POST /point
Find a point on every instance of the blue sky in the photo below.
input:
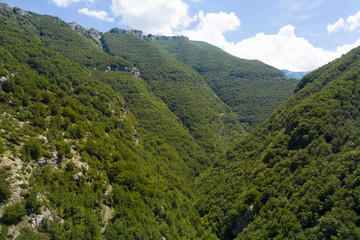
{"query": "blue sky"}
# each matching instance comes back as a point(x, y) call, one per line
point(298, 35)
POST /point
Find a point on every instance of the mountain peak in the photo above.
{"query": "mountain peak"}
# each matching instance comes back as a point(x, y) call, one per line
point(149, 37)
point(92, 32)
point(296, 75)
point(15, 10)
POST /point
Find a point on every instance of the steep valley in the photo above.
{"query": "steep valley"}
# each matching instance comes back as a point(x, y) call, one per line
point(121, 135)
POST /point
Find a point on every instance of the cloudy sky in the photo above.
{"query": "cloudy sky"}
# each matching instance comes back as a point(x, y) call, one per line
point(297, 35)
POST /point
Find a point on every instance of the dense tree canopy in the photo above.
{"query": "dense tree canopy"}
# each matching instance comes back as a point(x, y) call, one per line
point(117, 137)
point(211, 122)
point(296, 175)
point(252, 89)
point(82, 156)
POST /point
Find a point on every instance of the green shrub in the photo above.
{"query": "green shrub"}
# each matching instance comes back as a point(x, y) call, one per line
point(13, 214)
point(5, 191)
point(32, 148)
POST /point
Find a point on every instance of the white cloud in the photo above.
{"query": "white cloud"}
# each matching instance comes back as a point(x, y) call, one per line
point(291, 5)
point(353, 21)
point(285, 50)
point(350, 24)
point(347, 47)
point(152, 16)
point(336, 26)
point(212, 26)
point(65, 3)
point(299, 5)
point(102, 15)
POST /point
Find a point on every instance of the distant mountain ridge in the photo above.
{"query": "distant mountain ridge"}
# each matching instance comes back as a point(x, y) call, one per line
point(17, 11)
point(149, 37)
point(251, 88)
point(296, 75)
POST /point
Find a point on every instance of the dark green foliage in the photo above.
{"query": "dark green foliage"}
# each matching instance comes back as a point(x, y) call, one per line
point(252, 89)
point(156, 117)
point(32, 204)
point(32, 148)
point(13, 214)
point(5, 190)
point(296, 175)
point(211, 122)
point(28, 234)
point(59, 36)
point(86, 149)
point(4, 232)
point(113, 156)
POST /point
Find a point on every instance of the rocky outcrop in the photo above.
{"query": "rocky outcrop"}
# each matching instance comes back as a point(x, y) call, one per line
point(3, 79)
point(151, 37)
point(134, 71)
point(243, 221)
point(136, 33)
point(76, 27)
point(22, 12)
point(93, 33)
point(5, 6)
point(15, 10)
point(148, 37)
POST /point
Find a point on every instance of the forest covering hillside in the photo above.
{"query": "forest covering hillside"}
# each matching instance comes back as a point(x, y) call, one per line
point(296, 176)
point(211, 122)
point(112, 136)
point(75, 161)
point(252, 89)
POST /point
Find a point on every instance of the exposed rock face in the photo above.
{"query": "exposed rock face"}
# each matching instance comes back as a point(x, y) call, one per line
point(243, 221)
point(93, 33)
point(76, 27)
point(136, 33)
point(38, 219)
point(22, 12)
point(133, 71)
point(15, 10)
point(3, 79)
point(149, 37)
point(5, 6)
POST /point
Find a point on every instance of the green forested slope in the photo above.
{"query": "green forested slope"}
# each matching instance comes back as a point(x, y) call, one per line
point(296, 176)
point(154, 115)
point(251, 88)
point(211, 122)
point(74, 156)
point(56, 33)
point(93, 154)
point(151, 112)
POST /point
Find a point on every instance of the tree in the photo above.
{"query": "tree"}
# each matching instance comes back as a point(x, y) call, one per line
point(33, 148)
point(13, 214)
point(5, 191)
